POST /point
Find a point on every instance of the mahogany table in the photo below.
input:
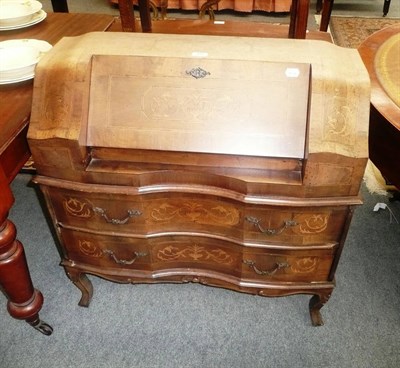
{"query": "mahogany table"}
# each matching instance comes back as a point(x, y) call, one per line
point(380, 53)
point(24, 301)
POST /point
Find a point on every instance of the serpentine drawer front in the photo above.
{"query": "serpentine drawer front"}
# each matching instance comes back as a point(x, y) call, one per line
point(153, 256)
point(155, 214)
point(232, 162)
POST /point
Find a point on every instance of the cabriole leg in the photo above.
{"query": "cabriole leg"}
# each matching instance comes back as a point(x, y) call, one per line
point(81, 281)
point(316, 303)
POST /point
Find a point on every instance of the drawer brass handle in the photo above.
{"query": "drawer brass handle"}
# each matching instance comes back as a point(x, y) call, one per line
point(103, 213)
point(256, 222)
point(278, 266)
point(124, 261)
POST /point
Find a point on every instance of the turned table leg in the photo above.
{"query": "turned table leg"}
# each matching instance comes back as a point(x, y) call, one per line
point(24, 302)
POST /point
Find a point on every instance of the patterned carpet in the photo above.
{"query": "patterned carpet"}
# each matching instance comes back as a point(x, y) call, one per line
point(350, 32)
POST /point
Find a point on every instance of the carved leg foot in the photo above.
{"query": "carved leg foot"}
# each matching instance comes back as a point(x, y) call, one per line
point(316, 303)
point(41, 326)
point(81, 281)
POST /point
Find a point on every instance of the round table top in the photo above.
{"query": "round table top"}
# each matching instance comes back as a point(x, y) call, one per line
point(381, 55)
point(387, 67)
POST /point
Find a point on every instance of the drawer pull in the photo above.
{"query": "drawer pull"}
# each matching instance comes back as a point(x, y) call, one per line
point(124, 261)
point(278, 266)
point(286, 224)
point(103, 213)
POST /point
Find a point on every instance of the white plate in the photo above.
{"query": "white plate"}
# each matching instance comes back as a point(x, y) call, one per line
point(14, 12)
point(24, 54)
point(16, 80)
point(36, 18)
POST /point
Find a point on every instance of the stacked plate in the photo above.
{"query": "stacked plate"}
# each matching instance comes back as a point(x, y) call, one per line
point(15, 14)
point(18, 59)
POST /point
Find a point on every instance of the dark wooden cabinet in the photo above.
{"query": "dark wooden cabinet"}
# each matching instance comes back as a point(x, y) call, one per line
point(164, 160)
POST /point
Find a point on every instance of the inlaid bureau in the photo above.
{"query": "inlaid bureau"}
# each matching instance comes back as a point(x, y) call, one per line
point(232, 162)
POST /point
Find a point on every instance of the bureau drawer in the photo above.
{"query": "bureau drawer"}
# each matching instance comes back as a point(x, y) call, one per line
point(294, 225)
point(178, 213)
point(152, 254)
point(96, 211)
point(286, 266)
point(105, 252)
point(185, 253)
point(146, 214)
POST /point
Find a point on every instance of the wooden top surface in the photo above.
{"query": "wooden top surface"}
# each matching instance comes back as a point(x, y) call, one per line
point(387, 67)
point(16, 99)
point(376, 60)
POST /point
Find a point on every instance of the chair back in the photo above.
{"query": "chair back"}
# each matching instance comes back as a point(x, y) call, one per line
point(128, 16)
point(297, 27)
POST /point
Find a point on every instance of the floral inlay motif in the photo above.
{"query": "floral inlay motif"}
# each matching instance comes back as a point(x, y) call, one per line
point(339, 113)
point(316, 223)
point(304, 265)
point(194, 253)
point(89, 249)
point(196, 212)
point(77, 208)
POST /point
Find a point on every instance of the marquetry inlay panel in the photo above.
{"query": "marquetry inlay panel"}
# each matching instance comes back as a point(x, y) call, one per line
point(78, 208)
point(205, 212)
point(304, 265)
point(90, 249)
point(313, 224)
point(194, 253)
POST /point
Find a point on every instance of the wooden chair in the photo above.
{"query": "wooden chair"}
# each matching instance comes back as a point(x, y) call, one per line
point(297, 26)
